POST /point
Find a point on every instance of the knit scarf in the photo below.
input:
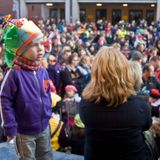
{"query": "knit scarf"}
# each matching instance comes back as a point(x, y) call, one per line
point(26, 63)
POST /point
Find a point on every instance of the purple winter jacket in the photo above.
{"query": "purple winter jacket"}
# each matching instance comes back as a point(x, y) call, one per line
point(25, 102)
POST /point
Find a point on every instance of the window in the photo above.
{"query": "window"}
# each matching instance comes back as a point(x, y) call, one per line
point(150, 16)
point(101, 14)
point(116, 16)
point(62, 13)
point(54, 13)
point(32, 7)
point(136, 15)
point(82, 15)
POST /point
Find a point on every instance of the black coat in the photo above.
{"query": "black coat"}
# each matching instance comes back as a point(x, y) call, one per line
point(70, 77)
point(115, 133)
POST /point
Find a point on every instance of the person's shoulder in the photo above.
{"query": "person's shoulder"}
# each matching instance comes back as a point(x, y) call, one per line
point(137, 101)
point(16, 68)
point(84, 103)
point(65, 71)
point(136, 98)
point(42, 69)
point(12, 70)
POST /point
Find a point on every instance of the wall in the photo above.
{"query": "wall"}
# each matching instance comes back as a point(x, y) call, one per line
point(35, 10)
point(6, 7)
point(91, 10)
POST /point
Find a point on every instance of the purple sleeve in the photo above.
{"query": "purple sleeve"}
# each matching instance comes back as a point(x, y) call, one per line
point(7, 98)
point(48, 92)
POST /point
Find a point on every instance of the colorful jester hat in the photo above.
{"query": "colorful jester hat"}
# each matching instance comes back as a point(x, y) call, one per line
point(17, 36)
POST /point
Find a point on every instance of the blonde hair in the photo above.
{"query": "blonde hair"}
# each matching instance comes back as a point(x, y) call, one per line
point(111, 78)
point(84, 59)
point(137, 73)
point(117, 46)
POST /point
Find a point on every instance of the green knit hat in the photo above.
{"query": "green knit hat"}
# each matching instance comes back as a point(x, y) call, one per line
point(17, 36)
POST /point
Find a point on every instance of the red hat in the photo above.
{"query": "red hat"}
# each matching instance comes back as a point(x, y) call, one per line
point(154, 93)
point(71, 87)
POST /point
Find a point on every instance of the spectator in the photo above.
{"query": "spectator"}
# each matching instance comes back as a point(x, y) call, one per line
point(149, 80)
point(137, 56)
point(110, 109)
point(84, 68)
point(155, 61)
point(71, 74)
point(71, 101)
point(126, 51)
point(154, 99)
point(54, 70)
point(157, 45)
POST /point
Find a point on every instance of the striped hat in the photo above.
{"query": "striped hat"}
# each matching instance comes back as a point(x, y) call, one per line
point(17, 36)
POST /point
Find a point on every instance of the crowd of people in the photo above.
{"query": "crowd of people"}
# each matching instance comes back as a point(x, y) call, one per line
point(96, 71)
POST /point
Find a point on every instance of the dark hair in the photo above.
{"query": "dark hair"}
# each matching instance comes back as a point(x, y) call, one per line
point(139, 44)
point(147, 67)
point(156, 43)
point(71, 57)
point(155, 58)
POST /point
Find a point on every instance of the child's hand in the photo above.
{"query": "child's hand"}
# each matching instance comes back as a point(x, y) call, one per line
point(10, 138)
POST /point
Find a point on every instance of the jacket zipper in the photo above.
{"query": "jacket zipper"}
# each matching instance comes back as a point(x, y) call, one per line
point(40, 98)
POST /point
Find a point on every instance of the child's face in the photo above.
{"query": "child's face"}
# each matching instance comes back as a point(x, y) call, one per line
point(70, 93)
point(35, 51)
point(152, 100)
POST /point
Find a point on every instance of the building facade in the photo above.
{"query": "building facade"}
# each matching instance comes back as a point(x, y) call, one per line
point(86, 10)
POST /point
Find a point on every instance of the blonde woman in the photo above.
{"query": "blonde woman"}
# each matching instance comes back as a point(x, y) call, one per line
point(114, 117)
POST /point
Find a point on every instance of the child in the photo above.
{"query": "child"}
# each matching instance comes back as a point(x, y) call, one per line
point(75, 142)
point(154, 99)
point(25, 101)
point(77, 138)
point(71, 101)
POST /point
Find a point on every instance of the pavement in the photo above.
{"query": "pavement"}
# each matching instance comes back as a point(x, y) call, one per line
point(8, 152)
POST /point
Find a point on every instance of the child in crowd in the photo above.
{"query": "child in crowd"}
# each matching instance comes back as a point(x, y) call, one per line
point(154, 99)
point(77, 137)
point(75, 142)
point(69, 110)
point(71, 101)
point(25, 101)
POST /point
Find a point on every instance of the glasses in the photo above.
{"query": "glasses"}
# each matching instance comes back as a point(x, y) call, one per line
point(52, 60)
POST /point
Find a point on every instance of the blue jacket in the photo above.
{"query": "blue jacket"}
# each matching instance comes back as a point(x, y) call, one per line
point(25, 102)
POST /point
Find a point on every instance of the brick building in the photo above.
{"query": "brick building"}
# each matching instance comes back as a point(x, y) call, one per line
point(84, 10)
point(6, 7)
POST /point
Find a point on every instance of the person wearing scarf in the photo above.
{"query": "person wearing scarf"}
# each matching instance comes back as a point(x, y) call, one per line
point(25, 92)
